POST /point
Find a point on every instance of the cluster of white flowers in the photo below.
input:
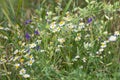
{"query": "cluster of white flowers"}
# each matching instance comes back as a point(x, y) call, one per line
point(54, 28)
point(112, 38)
point(23, 73)
point(78, 37)
point(61, 40)
point(61, 23)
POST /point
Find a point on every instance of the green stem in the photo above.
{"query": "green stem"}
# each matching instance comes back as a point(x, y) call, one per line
point(6, 71)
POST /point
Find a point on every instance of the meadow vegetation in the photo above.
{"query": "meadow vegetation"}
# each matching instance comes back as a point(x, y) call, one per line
point(59, 39)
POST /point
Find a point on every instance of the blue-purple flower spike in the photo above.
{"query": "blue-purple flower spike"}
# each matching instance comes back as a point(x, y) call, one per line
point(36, 32)
point(27, 36)
point(89, 20)
point(28, 21)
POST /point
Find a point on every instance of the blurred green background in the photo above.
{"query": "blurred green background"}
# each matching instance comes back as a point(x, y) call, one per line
point(16, 9)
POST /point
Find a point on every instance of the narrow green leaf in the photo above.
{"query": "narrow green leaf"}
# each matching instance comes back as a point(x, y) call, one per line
point(66, 8)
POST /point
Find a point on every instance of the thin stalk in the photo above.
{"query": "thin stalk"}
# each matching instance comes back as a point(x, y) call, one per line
point(6, 71)
point(11, 6)
point(66, 8)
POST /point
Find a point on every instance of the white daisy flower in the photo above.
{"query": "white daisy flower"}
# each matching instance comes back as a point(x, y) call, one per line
point(17, 65)
point(84, 59)
point(81, 25)
point(116, 33)
point(32, 45)
point(26, 75)
point(103, 45)
point(77, 38)
point(61, 23)
point(101, 50)
point(31, 62)
point(16, 51)
point(61, 40)
point(112, 38)
point(22, 71)
point(77, 57)
point(39, 41)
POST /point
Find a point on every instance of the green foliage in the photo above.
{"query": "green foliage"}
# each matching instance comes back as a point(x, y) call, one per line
point(59, 40)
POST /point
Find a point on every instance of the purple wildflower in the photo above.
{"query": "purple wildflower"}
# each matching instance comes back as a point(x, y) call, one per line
point(89, 20)
point(28, 21)
point(36, 32)
point(27, 36)
point(37, 47)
